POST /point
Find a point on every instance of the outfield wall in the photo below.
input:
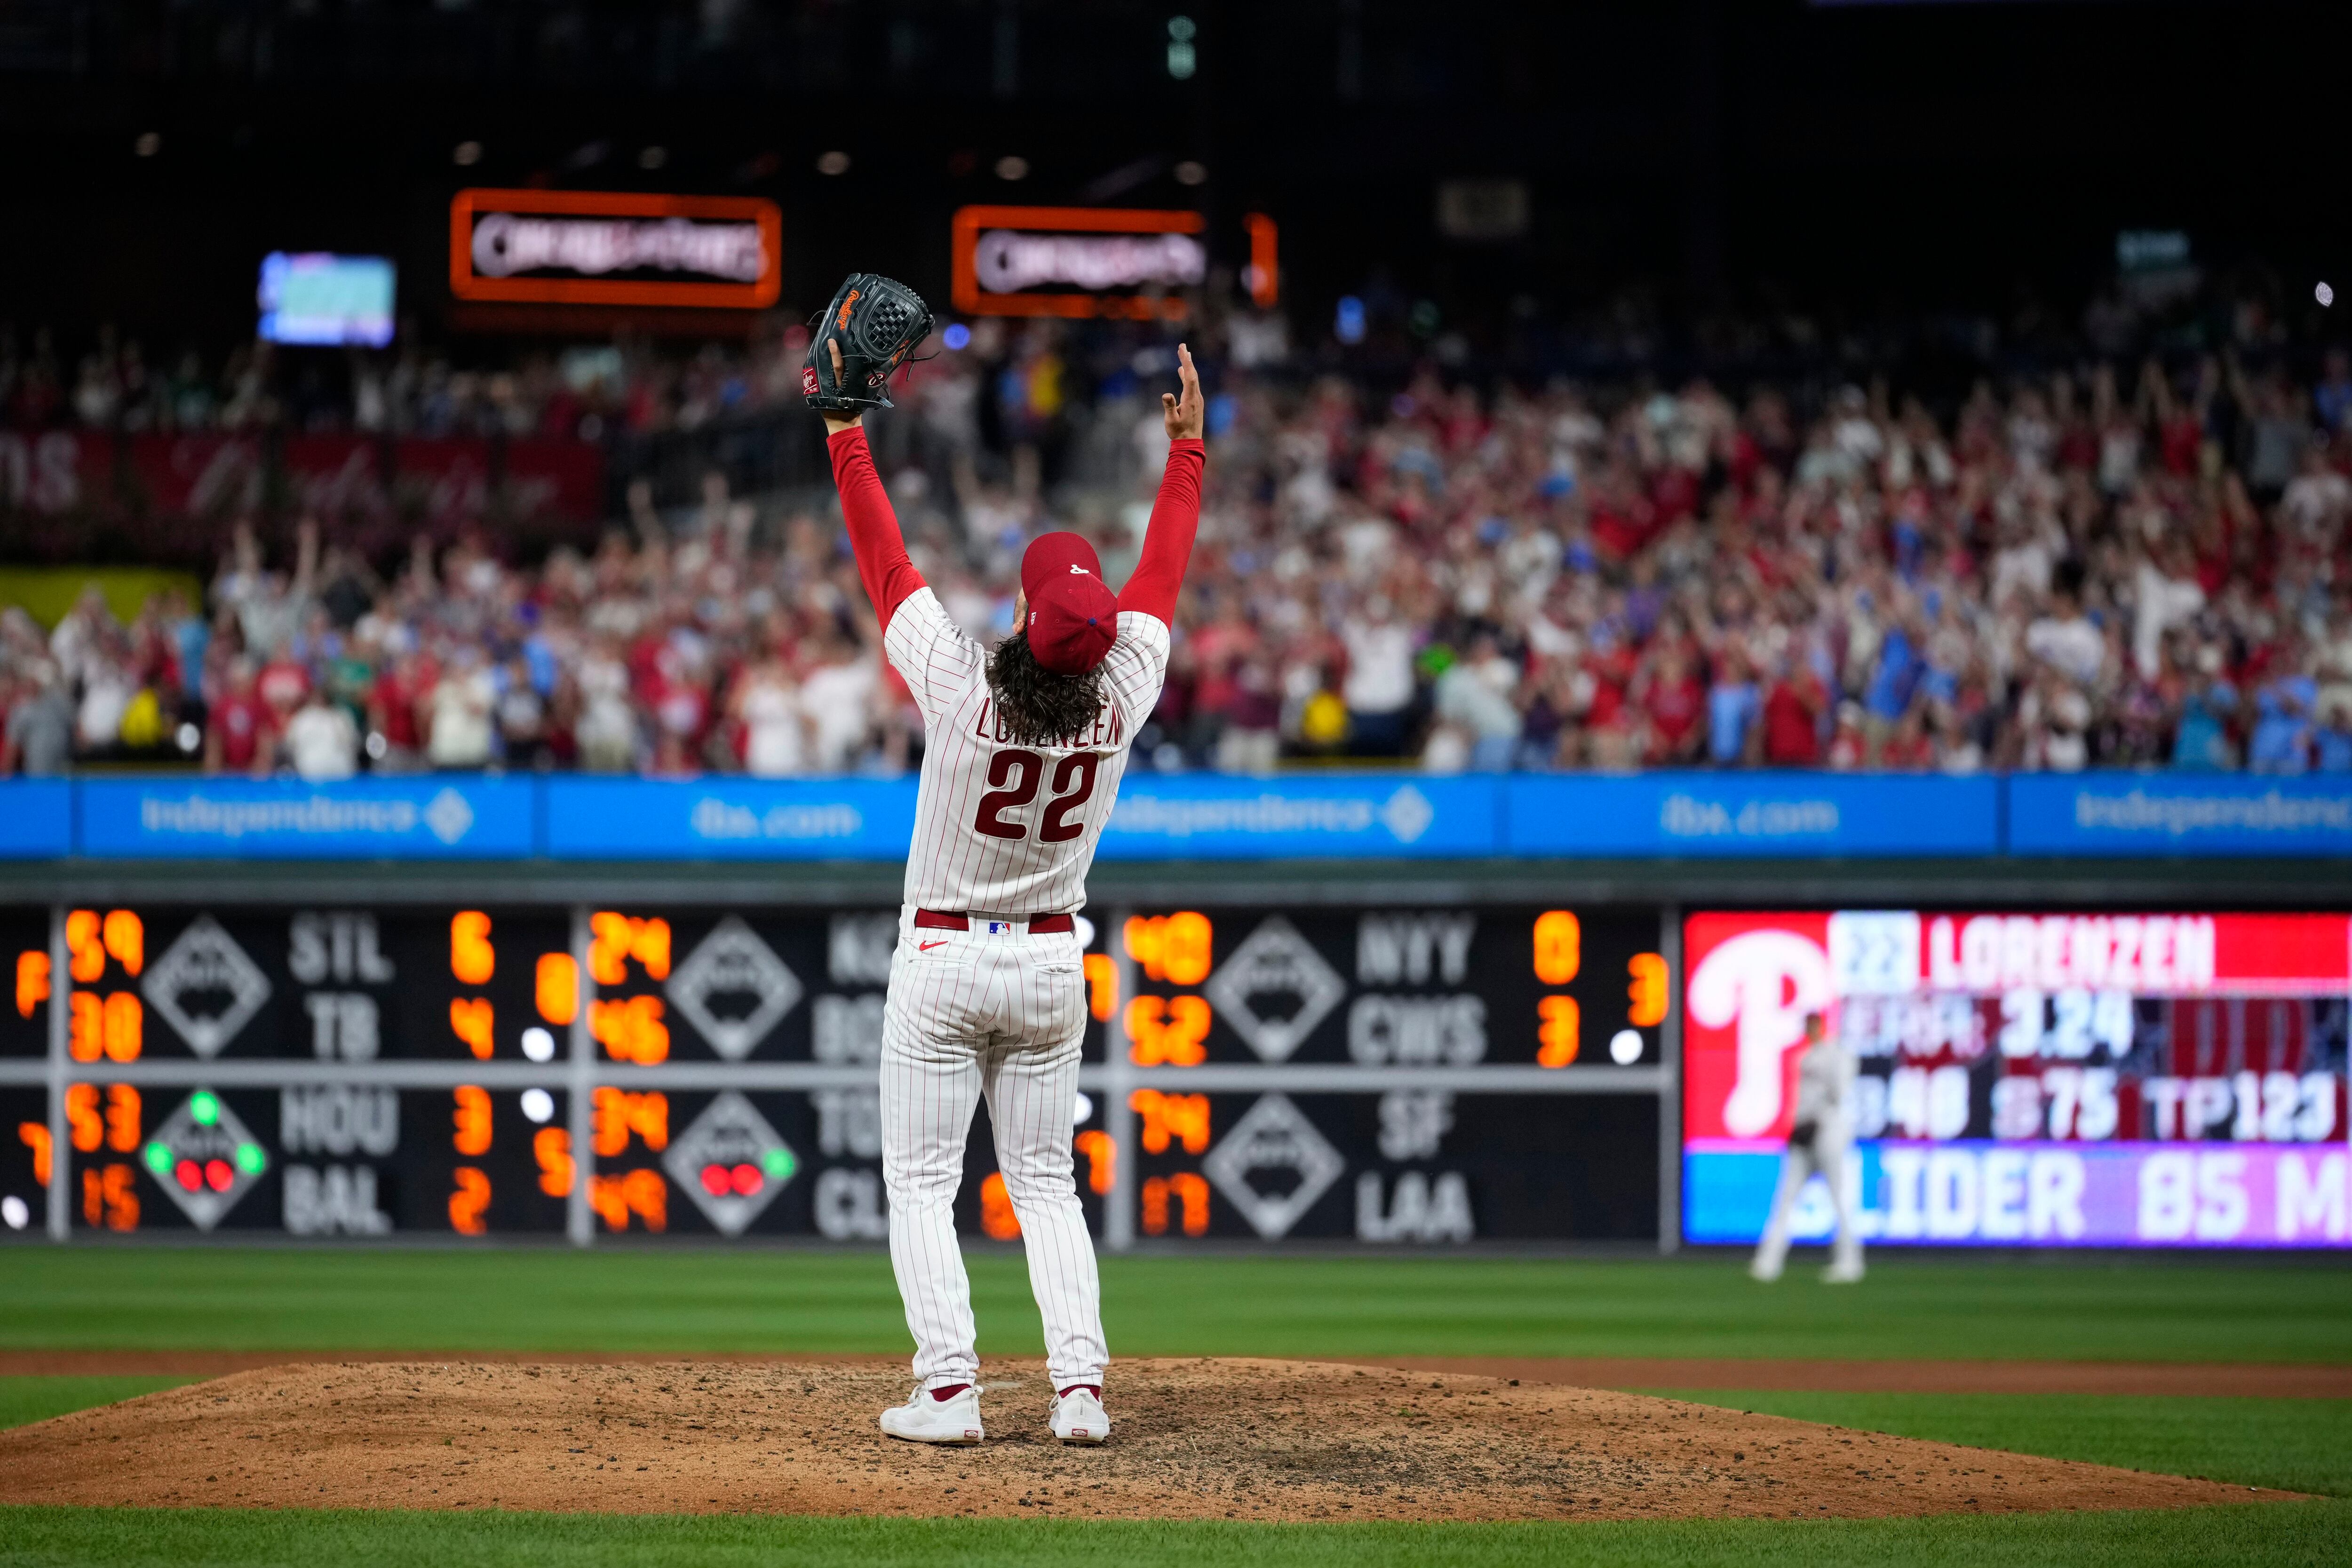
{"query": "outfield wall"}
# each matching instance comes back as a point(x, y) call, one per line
point(1192, 816)
point(1382, 1010)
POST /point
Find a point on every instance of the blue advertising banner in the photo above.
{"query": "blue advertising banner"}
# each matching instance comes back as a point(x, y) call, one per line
point(1188, 816)
point(722, 818)
point(1212, 817)
point(436, 817)
point(2178, 814)
point(35, 819)
point(1758, 814)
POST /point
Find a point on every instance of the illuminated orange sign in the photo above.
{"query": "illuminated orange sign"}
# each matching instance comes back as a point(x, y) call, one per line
point(615, 247)
point(1077, 261)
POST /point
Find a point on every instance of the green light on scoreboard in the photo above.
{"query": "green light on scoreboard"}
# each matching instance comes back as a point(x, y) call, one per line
point(250, 1159)
point(778, 1165)
point(159, 1159)
point(205, 1108)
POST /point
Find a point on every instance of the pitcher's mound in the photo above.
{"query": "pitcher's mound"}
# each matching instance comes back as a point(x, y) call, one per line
point(1194, 1439)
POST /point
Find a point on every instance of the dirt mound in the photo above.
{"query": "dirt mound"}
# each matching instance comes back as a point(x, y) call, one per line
point(1194, 1439)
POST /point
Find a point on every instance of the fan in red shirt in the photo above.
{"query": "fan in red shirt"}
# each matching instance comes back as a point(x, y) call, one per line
point(1674, 702)
point(241, 730)
point(1792, 718)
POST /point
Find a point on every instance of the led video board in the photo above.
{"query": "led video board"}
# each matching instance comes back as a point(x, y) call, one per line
point(2159, 1078)
point(316, 298)
point(1095, 261)
point(615, 247)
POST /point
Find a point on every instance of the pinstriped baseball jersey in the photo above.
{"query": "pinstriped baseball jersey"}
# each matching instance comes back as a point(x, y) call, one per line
point(1003, 829)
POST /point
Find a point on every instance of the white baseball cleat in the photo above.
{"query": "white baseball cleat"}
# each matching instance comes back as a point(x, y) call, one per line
point(922, 1419)
point(1843, 1274)
point(1766, 1272)
point(1078, 1417)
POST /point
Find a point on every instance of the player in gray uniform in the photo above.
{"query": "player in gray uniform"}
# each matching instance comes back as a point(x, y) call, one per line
point(1819, 1140)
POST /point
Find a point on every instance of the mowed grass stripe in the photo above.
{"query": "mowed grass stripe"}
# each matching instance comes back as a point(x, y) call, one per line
point(2256, 1536)
point(2288, 1445)
point(694, 1301)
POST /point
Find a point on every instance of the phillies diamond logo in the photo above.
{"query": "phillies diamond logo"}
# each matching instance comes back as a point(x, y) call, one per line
point(1274, 989)
point(203, 1159)
point(730, 1162)
point(733, 989)
point(204, 986)
point(1272, 1165)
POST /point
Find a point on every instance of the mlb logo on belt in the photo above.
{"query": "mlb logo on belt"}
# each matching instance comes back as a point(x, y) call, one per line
point(994, 927)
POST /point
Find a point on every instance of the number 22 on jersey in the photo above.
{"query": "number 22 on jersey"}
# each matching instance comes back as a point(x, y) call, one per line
point(1013, 777)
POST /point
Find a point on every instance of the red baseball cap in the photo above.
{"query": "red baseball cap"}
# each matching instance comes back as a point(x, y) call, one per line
point(1073, 615)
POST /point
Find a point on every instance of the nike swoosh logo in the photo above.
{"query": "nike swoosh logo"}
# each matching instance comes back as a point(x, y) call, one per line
point(927, 946)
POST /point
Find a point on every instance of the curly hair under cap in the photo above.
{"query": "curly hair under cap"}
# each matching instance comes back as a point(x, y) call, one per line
point(1037, 706)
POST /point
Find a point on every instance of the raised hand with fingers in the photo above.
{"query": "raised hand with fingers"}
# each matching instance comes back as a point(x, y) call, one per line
point(1186, 416)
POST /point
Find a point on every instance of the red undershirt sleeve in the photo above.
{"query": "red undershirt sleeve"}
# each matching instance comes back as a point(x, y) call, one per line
point(882, 564)
point(1168, 540)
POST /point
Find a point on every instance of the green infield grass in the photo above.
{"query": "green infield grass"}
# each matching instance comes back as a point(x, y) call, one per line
point(694, 1300)
point(23, 1400)
point(690, 1300)
point(2289, 1444)
point(2253, 1536)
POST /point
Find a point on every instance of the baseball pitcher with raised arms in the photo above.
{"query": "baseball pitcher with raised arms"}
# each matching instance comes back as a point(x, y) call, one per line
point(1024, 748)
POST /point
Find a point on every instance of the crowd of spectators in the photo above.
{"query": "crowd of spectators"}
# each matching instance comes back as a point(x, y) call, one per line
point(2121, 563)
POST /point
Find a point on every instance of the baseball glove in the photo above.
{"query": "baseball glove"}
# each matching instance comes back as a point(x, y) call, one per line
point(877, 323)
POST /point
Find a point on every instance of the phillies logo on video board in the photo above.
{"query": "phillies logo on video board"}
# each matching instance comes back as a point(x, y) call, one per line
point(1753, 977)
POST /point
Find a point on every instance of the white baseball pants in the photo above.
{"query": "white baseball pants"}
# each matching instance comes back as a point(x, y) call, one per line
point(971, 1013)
point(1834, 1159)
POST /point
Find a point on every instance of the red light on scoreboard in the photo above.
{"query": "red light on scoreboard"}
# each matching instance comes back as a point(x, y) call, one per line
point(742, 1181)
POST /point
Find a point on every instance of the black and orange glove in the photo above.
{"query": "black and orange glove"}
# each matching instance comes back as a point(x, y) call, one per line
point(877, 322)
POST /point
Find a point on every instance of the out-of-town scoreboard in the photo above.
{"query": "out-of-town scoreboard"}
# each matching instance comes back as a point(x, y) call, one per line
point(1393, 1075)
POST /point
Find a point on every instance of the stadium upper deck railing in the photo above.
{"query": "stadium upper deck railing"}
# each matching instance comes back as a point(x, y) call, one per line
point(1192, 816)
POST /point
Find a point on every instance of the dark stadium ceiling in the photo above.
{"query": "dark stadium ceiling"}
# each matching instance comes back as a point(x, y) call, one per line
point(1916, 152)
